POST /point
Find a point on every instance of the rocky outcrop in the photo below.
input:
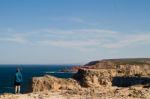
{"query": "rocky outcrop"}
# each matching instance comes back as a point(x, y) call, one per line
point(101, 78)
point(94, 77)
point(133, 70)
point(124, 67)
point(83, 78)
point(95, 80)
point(48, 82)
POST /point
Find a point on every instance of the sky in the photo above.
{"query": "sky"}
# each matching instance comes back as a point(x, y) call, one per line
point(73, 31)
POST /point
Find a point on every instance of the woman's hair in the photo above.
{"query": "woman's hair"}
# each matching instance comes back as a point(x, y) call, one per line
point(18, 69)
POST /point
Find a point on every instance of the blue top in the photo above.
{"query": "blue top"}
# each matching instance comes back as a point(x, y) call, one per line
point(18, 77)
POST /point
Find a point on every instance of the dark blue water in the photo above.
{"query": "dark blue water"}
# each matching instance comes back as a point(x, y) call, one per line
point(7, 73)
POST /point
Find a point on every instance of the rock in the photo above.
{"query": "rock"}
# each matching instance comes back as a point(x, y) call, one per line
point(48, 82)
point(122, 92)
point(124, 67)
point(142, 93)
point(94, 78)
point(84, 77)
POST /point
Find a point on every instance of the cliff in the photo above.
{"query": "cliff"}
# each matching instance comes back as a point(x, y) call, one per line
point(83, 78)
point(48, 82)
point(124, 67)
point(92, 84)
point(104, 73)
point(95, 77)
point(112, 78)
point(122, 61)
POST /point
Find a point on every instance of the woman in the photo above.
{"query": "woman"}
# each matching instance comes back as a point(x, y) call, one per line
point(18, 80)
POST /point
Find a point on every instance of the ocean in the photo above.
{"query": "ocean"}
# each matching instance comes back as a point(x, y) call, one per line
point(7, 73)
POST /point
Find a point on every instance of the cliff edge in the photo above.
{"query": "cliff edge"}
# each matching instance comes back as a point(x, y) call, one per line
point(112, 78)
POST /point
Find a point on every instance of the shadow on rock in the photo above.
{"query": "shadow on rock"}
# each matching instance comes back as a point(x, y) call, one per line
point(130, 81)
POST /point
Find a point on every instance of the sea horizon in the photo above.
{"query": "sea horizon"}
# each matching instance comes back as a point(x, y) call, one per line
point(39, 64)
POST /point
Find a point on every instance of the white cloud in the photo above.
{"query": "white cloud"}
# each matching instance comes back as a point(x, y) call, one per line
point(13, 40)
point(129, 40)
point(77, 44)
point(79, 38)
point(94, 31)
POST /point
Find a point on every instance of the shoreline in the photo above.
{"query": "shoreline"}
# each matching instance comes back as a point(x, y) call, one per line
point(106, 79)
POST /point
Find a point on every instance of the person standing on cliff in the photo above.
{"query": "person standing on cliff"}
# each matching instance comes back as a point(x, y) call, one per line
point(18, 80)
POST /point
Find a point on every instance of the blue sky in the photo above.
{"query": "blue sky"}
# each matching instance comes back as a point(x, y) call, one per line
point(73, 31)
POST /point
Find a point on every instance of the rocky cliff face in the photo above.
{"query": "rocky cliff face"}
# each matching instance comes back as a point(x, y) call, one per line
point(95, 77)
point(133, 70)
point(48, 82)
point(83, 78)
point(92, 84)
point(94, 80)
point(124, 67)
point(102, 79)
point(99, 74)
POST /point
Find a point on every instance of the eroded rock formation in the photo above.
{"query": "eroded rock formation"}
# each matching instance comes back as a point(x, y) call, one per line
point(124, 67)
point(95, 80)
point(95, 77)
point(83, 78)
point(48, 82)
point(104, 78)
point(100, 74)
